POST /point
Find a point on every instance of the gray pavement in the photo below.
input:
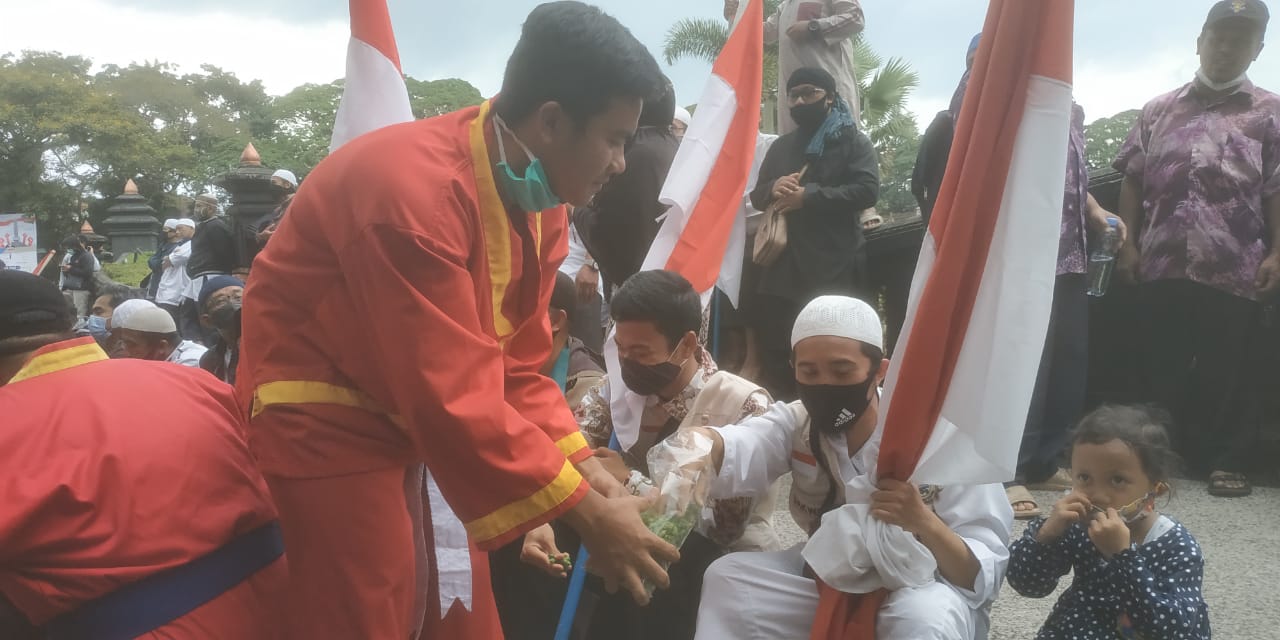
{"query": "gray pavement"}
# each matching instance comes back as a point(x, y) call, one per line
point(1241, 542)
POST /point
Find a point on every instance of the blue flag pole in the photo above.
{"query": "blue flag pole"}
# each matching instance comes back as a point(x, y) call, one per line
point(577, 580)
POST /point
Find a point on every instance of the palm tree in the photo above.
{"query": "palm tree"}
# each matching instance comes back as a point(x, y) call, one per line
point(883, 86)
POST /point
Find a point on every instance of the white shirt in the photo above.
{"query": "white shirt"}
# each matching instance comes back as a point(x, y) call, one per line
point(759, 451)
point(577, 257)
point(174, 280)
point(187, 354)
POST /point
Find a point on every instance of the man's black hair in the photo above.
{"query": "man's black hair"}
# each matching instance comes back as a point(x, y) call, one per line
point(117, 294)
point(565, 296)
point(578, 56)
point(663, 298)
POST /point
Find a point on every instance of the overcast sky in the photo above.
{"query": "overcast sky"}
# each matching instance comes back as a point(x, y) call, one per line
point(1126, 51)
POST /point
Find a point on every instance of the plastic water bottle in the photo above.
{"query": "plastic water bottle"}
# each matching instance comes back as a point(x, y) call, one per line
point(1102, 260)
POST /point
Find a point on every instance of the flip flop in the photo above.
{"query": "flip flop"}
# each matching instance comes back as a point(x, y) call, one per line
point(1017, 495)
point(1059, 481)
point(1219, 484)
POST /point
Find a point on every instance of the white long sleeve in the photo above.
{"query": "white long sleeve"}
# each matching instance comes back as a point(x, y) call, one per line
point(980, 515)
point(756, 453)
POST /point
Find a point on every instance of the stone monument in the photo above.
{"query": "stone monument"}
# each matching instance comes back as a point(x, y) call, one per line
point(252, 199)
point(131, 223)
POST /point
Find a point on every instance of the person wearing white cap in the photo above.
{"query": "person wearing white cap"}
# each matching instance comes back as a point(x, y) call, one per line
point(141, 330)
point(284, 185)
point(680, 123)
point(174, 280)
point(169, 232)
point(829, 442)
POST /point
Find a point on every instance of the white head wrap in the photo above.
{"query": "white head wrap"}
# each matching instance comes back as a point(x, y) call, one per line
point(682, 115)
point(171, 223)
point(120, 317)
point(287, 176)
point(839, 316)
point(186, 222)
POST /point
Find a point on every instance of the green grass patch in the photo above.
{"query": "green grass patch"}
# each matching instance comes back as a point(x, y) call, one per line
point(131, 271)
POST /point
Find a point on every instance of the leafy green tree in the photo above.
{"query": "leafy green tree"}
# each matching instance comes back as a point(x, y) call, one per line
point(431, 98)
point(1104, 136)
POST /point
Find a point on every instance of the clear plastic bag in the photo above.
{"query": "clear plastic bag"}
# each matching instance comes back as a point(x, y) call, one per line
point(681, 483)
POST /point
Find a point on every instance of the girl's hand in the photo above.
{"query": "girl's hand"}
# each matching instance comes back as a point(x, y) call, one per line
point(900, 503)
point(540, 551)
point(1072, 508)
point(1109, 533)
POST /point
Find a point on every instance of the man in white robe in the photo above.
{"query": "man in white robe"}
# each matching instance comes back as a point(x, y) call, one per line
point(838, 358)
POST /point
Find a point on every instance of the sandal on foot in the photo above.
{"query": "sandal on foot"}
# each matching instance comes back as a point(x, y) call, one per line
point(1060, 481)
point(1018, 495)
point(1229, 484)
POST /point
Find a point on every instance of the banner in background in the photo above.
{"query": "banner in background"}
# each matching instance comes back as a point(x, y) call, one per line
point(18, 241)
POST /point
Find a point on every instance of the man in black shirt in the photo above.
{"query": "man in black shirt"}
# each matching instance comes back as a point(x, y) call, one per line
point(821, 177)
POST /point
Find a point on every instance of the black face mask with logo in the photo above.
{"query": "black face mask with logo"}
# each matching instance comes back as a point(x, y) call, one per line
point(833, 408)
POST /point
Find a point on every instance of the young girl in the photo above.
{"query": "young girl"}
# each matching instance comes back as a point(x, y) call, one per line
point(1137, 573)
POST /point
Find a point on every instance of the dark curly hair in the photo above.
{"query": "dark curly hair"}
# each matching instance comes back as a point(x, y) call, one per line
point(1142, 428)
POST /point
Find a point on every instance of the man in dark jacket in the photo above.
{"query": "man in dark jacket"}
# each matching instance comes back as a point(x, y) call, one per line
point(215, 251)
point(621, 222)
point(77, 273)
point(821, 177)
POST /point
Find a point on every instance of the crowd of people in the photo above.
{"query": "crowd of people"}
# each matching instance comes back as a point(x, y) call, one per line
point(404, 422)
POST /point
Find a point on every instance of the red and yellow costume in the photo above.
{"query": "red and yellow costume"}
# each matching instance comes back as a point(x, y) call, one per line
point(399, 316)
point(117, 471)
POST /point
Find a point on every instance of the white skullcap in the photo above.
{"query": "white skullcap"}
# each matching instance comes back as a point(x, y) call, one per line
point(120, 317)
point(682, 114)
point(151, 319)
point(186, 222)
point(287, 176)
point(171, 223)
point(839, 316)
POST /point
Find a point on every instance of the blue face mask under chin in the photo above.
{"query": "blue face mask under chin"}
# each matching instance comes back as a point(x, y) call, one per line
point(96, 326)
point(532, 192)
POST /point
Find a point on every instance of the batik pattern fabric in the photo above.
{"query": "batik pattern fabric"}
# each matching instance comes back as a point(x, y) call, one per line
point(1206, 166)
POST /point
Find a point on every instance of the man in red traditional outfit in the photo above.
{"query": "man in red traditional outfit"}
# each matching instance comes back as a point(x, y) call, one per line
point(398, 317)
point(131, 507)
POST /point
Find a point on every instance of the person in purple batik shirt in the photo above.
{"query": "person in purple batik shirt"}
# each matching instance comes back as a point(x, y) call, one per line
point(1057, 402)
point(1201, 178)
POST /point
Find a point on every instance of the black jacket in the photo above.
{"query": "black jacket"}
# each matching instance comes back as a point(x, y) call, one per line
point(931, 162)
point(79, 274)
point(825, 252)
point(621, 222)
point(213, 248)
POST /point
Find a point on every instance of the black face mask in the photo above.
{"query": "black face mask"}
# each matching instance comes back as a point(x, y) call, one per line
point(648, 379)
point(810, 116)
point(226, 318)
point(834, 408)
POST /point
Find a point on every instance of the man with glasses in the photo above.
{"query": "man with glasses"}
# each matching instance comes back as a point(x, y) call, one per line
point(821, 176)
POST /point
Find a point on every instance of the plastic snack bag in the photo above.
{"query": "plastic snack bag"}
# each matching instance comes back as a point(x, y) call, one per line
point(678, 466)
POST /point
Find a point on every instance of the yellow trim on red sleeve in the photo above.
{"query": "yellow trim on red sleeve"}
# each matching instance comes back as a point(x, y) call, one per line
point(572, 443)
point(510, 516)
point(310, 392)
point(58, 357)
point(494, 224)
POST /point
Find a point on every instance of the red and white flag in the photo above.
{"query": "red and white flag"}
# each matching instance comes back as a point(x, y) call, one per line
point(702, 236)
point(374, 94)
point(956, 400)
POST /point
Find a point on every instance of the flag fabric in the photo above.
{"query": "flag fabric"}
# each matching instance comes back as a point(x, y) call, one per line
point(374, 95)
point(956, 400)
point(702, 236)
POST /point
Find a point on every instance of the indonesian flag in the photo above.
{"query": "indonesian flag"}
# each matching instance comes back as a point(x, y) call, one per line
point(703, 232)
point(979, 305)
point(374, 94)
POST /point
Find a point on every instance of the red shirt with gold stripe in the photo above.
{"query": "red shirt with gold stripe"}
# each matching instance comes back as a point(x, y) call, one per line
point(399, 315)
point(116, 470)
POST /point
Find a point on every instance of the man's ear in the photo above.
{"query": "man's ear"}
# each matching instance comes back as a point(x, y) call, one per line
point(688, 345)
point(559, 320)
point(550, 120)
point(883, 372)
point(205, 321)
